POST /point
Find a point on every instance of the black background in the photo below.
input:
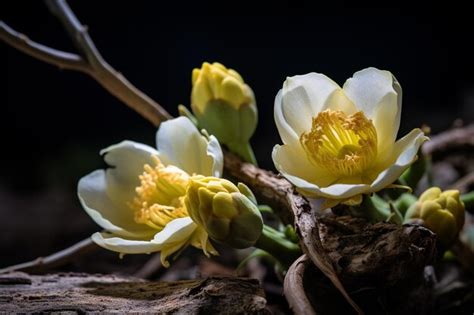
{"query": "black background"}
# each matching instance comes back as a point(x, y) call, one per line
point(53, 123)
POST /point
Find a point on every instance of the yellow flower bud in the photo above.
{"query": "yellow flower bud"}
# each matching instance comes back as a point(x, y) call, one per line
point(227, 212)
point(224, 105)
point(440, 211)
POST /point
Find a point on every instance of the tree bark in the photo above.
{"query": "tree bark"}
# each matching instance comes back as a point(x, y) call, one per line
point(79, 293)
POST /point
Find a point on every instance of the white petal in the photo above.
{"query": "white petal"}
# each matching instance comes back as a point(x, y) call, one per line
point(303, 97)
point(405, 151)
point(336, 191)
point(292, 160)
point(181, 144)
point(126, 161)
point(110, 215)
point(125, 246)
point(287, 134)
point(378, 94)
point(176, 231)
point(217, 158)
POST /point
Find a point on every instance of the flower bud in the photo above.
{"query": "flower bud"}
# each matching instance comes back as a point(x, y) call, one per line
point(441, 212)
point(227, 212)
point(224, 105)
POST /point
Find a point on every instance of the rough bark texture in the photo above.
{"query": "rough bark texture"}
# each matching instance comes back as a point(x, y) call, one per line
point(83, 293)
point(381, 265)
point(380, 254)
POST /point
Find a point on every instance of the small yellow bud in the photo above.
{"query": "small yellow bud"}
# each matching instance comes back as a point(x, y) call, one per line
point(227, 212)
point(440, 211)
point(224, 105)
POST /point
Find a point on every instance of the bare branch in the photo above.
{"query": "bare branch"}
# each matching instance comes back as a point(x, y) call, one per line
point(108, 77)
point(62, 59)
point(60, 258)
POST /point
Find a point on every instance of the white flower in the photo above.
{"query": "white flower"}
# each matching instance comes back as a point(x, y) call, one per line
point(339, 143)
point(139, 200)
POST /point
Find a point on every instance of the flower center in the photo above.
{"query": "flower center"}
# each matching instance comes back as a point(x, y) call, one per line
point(344, 145)
point(160, 197)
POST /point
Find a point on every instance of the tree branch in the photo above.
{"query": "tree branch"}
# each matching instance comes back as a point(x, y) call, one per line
point(62, 59)
point(60, 258)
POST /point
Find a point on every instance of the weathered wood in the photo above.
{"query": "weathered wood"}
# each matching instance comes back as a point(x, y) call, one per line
point(83, 293)
point(380, 254)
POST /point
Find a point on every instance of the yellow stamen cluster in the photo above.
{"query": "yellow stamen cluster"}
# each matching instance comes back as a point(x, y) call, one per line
point(344, 145)
point(160, 196)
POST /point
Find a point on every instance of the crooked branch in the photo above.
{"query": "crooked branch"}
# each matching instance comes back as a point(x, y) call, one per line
point(62, 59)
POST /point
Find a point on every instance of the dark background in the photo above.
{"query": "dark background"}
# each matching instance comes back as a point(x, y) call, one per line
point(53, 123)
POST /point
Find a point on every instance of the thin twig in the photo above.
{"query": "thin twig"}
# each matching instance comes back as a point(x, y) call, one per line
point(62, 59)
point(94, 65)
point(42, 264)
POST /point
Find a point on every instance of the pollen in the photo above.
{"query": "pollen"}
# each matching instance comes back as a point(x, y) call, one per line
point(160, 197)
point(344, 145)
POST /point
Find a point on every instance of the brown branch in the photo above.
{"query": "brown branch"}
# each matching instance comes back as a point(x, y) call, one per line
point(62, 59)
point(42, 264)
point(293, 288)
point(458, 139)
point(94, 65)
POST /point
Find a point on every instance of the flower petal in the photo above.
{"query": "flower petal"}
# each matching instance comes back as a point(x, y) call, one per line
point(117, 218)
point(303, 97)
point(176, 234)
point(379, 95)
point(125, 246)
point(291, 159)
point(404, 153)
point(287, 134)
point(176, 231)
point(127, 160)
point(181, 144)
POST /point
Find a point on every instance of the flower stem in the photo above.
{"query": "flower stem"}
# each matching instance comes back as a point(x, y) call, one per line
point(468, 200)
point(276, 244)
point(244, 150)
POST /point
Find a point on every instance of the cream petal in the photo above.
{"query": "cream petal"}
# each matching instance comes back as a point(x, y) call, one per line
point(216, 163)
point(303, 97)
point(181, 144)
point(379, 95)
point(112, 216)
point(176, 231)
point(337, 191)
point(287, 134)
point(124, 246)
point(292, 159)
point(339, 101)
point(404, 153)
point(127, 160)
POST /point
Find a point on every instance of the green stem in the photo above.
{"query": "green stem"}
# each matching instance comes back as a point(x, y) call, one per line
point(244, 150)
point(371, 209)
point(276, 244)
point(468, 200)
point(404, 202)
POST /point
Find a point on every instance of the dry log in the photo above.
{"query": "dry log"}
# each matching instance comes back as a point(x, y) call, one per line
point(380, 254)
point(78, 293)
point(380, 265)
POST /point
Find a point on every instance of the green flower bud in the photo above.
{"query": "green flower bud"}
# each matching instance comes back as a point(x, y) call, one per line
point(225, 106)
point(440, 211)
point(227, 212)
